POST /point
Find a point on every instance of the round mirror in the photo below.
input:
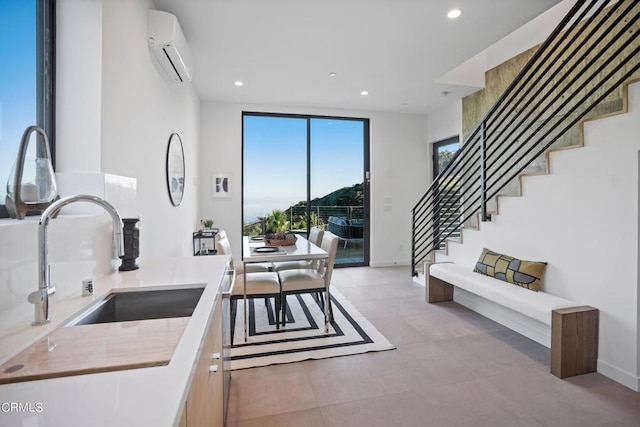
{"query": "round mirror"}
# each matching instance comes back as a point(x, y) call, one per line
point(175, 169)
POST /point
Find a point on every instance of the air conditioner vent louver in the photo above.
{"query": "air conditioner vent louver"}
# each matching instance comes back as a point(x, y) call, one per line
point(172, 62)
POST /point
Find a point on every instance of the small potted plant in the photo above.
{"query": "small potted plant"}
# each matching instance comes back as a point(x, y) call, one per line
point(208, 223)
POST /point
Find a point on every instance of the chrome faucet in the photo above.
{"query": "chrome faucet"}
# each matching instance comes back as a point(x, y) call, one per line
point(41, 297)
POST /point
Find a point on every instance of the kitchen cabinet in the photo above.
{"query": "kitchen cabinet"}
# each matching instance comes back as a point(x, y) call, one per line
point(132, 397)
point(215, 386)
point(183, 419)
point(206, 400)
point(204, 407)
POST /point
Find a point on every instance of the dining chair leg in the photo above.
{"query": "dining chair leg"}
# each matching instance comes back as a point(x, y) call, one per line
point(321, 300)
point(278, 308)
point(246, 316)
point(232, 314)
point(326, 312)
point(283, 307)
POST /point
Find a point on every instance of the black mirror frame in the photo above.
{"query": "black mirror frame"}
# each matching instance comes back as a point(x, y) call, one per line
point(173, 155)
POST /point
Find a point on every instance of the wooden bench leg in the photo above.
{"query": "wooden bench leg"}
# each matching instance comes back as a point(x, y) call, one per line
point(438, 290)
point(574, 341)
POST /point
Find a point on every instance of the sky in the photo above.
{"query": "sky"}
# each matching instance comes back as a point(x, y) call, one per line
point(275, 160)
point(17, 80)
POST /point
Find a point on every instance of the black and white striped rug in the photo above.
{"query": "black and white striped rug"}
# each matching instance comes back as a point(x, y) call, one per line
point(303, 337)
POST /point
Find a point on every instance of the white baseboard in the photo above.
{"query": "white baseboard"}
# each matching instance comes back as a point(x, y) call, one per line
point(397, 263)
point(619, 375)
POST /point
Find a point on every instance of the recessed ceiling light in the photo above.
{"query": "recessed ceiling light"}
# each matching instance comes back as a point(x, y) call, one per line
point(364, 93)
point(333, 74)
point(238, 83)
point(454, 13)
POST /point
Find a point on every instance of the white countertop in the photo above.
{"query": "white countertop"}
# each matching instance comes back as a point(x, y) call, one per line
point(138, 397)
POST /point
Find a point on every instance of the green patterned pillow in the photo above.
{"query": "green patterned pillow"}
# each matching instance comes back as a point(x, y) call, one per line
point(526, 274)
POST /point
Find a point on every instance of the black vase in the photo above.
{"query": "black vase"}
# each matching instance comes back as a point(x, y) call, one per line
point(131, 244)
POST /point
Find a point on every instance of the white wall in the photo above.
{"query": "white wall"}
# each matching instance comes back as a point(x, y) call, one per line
point(445, 122)
point(139, 113)
point(115, 114)
point(442, 124)
point(532, 33)
point(400, 168)
point(78, 85)
point(79, 248)
point(583, 220)
point(471, 72)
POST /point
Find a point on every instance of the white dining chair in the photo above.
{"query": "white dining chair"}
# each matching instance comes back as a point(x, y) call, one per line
point(261, 267)
point(315, 237)
point(307, 280)
point(260, 284)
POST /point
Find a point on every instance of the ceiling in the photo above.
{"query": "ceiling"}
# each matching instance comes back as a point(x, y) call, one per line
point(284, 50)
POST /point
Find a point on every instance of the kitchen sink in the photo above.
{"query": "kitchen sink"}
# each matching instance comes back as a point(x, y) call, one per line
point(110, 345)
point(141, 305)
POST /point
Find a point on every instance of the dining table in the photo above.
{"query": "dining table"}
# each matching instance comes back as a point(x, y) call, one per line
point(255, 250)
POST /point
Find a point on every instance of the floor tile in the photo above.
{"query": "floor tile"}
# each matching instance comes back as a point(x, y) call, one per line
point(307, 418)
point(487, 355)
point(555, 402)
point(396, 410)
point(460, 404)
point(452, 367)
point(396, 329)
point(270, 390)
point(350, 378)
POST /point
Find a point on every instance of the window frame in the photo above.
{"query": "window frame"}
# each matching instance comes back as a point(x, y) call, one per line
point(366, 129)
point(435, 146)
point(45, 76)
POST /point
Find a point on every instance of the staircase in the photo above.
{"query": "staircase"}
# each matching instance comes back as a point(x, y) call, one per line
point(575, 75)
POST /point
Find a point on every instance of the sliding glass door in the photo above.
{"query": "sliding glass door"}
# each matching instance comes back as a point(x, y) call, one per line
point(274, 152)
point(306, 171)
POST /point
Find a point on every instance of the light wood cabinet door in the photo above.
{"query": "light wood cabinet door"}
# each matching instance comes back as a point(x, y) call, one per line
point(216, 379)
point(183, 419)
point(198, 402)
point(205, 407)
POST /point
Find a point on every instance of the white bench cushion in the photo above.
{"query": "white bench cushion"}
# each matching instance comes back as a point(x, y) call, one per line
point(537, 305)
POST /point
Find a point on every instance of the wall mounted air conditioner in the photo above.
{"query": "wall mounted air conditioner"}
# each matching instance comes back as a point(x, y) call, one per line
point(169, 48)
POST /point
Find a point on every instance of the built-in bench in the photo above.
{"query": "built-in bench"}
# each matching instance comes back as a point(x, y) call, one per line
point(574, 327)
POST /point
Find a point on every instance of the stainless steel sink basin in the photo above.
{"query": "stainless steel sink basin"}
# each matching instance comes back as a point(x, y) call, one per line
point(141, 305)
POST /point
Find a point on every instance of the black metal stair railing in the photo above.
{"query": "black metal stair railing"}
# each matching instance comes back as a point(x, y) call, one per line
point(593, 50)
